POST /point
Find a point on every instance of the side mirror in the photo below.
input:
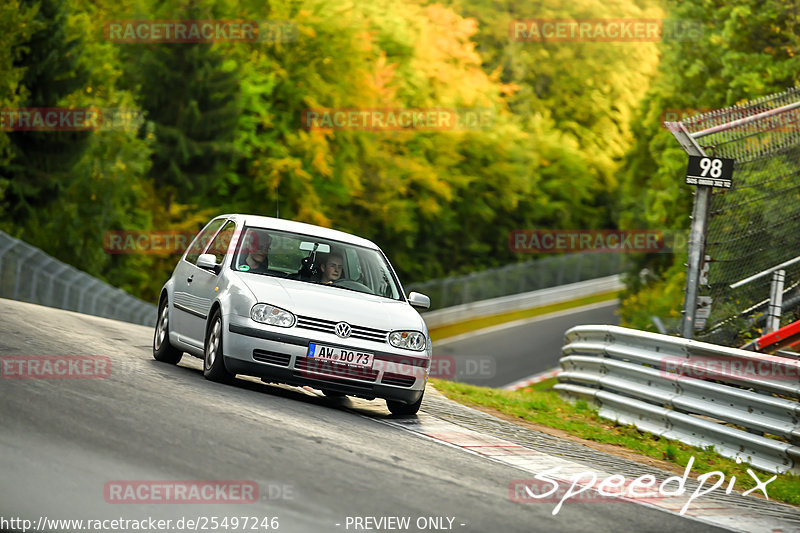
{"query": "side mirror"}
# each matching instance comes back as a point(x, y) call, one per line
point(419, 301)
point(207, 262)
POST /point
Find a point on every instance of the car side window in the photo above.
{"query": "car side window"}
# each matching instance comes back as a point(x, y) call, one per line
point(219, 246)
point(200, 242)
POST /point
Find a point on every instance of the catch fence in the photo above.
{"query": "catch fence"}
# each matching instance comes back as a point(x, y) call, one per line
point(752, 226)
point(28, 274)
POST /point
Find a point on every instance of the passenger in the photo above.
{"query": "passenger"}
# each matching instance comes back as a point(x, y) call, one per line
point(331, 268)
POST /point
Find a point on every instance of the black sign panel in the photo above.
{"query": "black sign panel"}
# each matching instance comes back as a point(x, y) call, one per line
point(712, 171)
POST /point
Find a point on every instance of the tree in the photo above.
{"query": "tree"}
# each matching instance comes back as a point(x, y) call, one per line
point(41, 161)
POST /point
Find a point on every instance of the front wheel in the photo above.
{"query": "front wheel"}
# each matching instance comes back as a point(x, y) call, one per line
point(405, 409)
point(213, 364)
point(162, 349)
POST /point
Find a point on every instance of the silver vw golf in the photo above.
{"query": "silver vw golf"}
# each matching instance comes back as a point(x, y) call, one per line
point(299, 304)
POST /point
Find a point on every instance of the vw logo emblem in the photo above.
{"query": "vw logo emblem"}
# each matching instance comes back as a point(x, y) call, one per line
point(343, 329)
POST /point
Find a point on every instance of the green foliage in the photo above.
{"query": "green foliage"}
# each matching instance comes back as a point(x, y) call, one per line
point(189, 92)
point(17, 22)
point(52, 69)
point(103, 187)
point(572, 143)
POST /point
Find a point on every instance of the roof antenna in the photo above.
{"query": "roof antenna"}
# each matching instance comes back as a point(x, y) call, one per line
point(277, 206)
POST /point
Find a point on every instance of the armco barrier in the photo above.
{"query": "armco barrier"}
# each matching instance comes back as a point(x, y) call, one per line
point(30, 275)
point(525, 300)
point(695, 392)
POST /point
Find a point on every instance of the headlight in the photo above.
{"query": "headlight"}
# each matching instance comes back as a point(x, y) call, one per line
point(274, 316)
point(412, 340)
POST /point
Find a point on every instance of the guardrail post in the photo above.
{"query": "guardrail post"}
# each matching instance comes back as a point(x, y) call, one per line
point(775, 301)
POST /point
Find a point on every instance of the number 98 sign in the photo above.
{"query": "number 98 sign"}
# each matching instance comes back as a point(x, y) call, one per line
point(711, 171)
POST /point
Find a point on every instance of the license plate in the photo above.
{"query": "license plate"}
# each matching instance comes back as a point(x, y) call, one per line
point(340, 355)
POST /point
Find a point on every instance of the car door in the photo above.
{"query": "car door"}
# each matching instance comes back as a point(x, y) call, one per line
point(184, 306)
point(204, 284)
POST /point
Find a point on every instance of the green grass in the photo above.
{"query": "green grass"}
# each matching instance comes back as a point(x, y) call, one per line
point(484, 322)
point(542, 405)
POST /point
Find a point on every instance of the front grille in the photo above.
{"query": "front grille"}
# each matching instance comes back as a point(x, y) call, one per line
point(274, 358)
point(329, 326)
point(342, 371)
point(397, 380)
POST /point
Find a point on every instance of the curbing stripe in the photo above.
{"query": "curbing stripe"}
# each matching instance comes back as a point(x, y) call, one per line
point(532, 380)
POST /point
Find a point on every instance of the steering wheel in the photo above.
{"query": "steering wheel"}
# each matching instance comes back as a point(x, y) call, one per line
point(354, 285)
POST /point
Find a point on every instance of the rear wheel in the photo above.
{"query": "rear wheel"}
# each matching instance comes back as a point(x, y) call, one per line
point(213, 363)
point(162, 349)
point(400, 408)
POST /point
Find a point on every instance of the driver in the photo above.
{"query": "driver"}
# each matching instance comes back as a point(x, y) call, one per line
point(257, 259)
point(331, 268)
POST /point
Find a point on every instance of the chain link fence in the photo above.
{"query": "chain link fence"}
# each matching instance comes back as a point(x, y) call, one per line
point(30, 275)
point(755, 225)
point(517, 278)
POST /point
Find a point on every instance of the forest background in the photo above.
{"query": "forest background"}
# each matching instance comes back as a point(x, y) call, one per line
point(575, 141)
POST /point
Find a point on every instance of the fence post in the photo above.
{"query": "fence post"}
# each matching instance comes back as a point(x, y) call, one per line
point(50, 290)
point(20, 264)
point(697, 237)
point(775, 301)
point(563, 266)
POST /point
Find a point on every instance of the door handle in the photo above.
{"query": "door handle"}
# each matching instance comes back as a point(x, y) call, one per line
point(190, 278)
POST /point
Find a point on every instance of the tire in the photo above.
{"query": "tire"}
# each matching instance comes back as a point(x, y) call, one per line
point(213, 360)
point(404, 409)
point(162, 349)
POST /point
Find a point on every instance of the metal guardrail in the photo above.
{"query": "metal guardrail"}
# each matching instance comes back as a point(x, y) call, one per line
point(525, 300)
point(543, 273)
point(744, 404)
point(28, 274)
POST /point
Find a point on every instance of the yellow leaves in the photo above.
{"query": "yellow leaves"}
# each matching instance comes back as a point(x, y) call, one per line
point(428, 206)
point(384, 79)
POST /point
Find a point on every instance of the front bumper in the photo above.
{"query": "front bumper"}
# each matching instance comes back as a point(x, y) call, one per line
point(282, 357)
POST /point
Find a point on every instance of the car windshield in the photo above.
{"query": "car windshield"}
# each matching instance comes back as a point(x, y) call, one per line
point(310, 259)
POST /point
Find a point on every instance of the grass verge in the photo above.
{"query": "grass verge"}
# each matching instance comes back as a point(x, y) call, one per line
point(487, 321)
point(541, 405)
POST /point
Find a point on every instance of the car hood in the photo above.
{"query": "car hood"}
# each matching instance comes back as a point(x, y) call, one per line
point(332, 303)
